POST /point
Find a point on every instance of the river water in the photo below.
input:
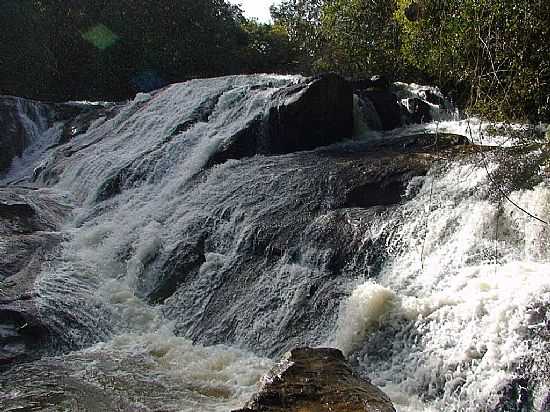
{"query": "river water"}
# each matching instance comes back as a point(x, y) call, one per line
point(452, 317)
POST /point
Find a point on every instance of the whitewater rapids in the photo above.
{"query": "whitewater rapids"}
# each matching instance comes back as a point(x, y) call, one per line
point(454, 313)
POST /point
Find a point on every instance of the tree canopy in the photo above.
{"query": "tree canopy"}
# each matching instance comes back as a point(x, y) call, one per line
point(105, 49)
point(494, 55)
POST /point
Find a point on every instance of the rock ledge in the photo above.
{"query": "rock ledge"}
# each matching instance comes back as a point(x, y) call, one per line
point(316, 380)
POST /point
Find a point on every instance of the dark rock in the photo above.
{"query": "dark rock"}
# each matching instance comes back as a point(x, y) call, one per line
point(296, 203)
point(365, 114)
point(16, 115)
point(316, 380)
point(310, 115)
point(419, 111)
point(432, 98)
point(377, 82)
point(361, 84)
point(79, 117)
point(392, 114)
point(433, 142)
point(244, 143)
point(29, 220)
point(317, 112)
point(380, 82)
point(369, 195)
point(184, 261)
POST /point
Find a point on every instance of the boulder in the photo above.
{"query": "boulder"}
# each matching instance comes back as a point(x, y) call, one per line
point(419, 111)
point(316, 380)
point(392, 114)
point(376, 82)
point(433, 98)
point(316, 112)
point(78, 117)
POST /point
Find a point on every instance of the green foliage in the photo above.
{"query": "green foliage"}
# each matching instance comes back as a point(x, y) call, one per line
point(496, 51)
point(104, 49)
point(494, 55)
point(361, 37)
point(302, 20)
point(269, 49)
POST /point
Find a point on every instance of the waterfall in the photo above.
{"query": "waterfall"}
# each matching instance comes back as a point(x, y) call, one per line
point(179, 280)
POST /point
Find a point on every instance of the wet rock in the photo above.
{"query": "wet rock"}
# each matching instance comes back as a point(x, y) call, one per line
point(78, 117)
point(384, 194)
point(184, 261)
point(431, 97)
point(316, 380)
point(317, 112)
point(392, 114)
point(29, 220)
point(376, 82)
point(419, 111)
point(310, 115)
point(261, 286)
point(18, 117)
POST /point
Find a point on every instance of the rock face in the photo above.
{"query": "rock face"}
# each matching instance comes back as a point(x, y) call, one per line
point(21, 120)
point(392, 114)
point(29, 221)
point(316, 380)
point(314, 113)
point(77, 117)
point(268, 266)
point(396, 105)
point(30, 129)
point(309, 115)
point(419, 110)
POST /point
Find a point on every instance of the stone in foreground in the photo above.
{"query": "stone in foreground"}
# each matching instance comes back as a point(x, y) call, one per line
point(316, 380)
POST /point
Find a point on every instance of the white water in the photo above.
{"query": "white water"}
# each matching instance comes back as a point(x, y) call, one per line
point(452, 314)
point(99, 291)
point(460, 293)
point(38, 134)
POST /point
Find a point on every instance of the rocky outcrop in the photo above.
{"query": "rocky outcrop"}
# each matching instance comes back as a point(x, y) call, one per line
point(396, 105)
point(259, 259)
point(309, 115)
point(316, 112)
point(29, 129)
point(78, 117)
point(29, 220)
point(20, 121)
point(419, 111)
point(392, 114)
point(376, 82)
point(316, 380)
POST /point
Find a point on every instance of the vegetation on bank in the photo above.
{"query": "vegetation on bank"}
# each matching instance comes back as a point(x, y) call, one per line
point(493, 56)
point(105, 49)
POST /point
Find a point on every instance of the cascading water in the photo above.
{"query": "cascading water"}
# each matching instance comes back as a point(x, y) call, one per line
point(178, 280)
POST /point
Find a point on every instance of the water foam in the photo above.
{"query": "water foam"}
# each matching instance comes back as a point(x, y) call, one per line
point(443, 326)
point(450, 321)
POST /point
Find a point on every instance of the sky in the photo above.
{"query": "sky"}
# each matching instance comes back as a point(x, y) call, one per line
point(256, 8)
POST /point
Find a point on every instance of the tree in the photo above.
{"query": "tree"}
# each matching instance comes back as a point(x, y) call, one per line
point(301, 19)
point(495, 50)
point(360, 36)
point(268, 49)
